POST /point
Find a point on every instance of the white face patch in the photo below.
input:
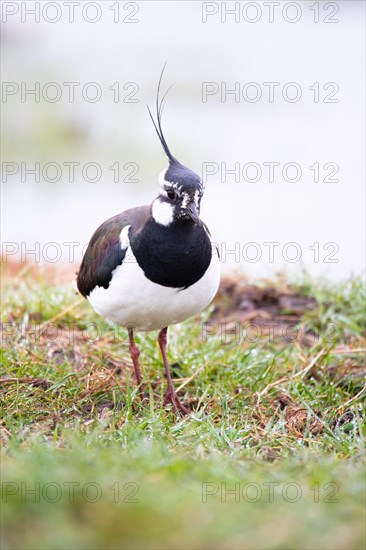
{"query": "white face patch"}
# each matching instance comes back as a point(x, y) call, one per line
point(162, 212)
point(186, 200)
point(162, 182)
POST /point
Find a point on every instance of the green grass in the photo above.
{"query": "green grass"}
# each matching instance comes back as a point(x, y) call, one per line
point(272, 455)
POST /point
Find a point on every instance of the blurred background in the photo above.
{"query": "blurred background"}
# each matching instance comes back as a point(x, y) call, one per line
point(297, 70)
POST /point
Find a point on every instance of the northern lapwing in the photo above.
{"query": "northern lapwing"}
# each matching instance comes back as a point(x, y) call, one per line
point(155, 265)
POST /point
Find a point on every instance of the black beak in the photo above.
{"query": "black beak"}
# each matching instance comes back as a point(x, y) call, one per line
point(192, 212)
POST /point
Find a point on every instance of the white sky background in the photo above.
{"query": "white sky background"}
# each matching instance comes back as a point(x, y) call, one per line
point(215, 131)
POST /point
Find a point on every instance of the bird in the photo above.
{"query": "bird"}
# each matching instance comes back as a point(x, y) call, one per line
point(153, 266)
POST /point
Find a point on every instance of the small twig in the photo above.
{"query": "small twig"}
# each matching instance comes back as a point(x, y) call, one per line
point(187, 380)
point(62, 313)
point(353, 399)
point(5, 430)
point(287, 378)
point(349, 350)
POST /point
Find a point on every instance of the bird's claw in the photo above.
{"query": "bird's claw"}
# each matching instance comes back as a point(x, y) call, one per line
point(172, 397)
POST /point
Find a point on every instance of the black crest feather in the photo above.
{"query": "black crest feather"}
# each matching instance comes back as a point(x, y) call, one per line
point(159, 112)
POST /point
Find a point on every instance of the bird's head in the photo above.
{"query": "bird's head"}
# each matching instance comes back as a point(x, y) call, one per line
point(180, 196)
point(181, 189)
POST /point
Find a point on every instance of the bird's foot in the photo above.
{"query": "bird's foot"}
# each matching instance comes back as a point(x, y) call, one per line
point(172, 397)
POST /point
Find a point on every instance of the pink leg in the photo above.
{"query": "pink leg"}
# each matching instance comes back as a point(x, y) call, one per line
point(171, 395)
point(135, 354)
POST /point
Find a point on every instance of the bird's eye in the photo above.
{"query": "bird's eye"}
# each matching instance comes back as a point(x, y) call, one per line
point(171, 195)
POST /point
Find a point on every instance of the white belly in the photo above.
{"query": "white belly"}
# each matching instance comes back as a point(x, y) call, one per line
point(133, 300)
